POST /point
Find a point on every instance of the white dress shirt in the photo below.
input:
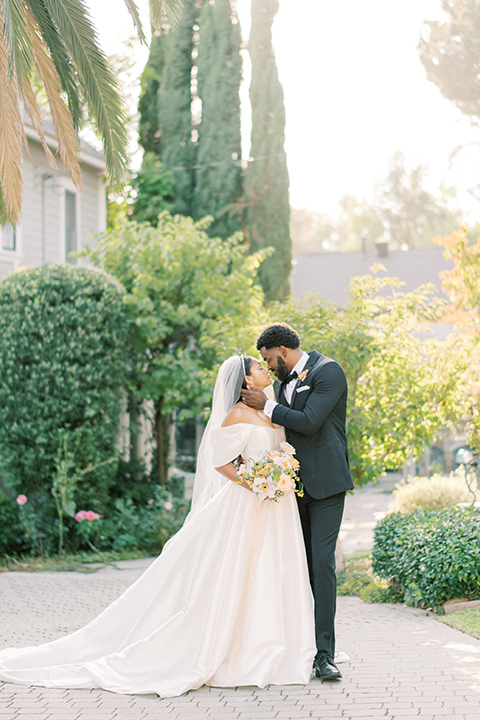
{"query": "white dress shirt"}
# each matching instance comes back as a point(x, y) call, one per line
point(288, 388)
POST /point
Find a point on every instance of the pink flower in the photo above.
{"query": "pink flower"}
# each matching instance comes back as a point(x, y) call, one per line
point(150, 502)
point(168, 505)
point(86, 515)
point(21, 499)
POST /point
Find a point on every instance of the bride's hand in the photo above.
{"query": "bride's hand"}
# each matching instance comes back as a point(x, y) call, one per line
point(230, 471)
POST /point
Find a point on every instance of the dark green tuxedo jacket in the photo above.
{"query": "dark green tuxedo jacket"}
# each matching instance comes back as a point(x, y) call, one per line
point(314, 424)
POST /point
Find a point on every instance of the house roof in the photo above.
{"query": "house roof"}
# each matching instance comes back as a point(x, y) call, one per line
point(88, 154)
point(328, 274)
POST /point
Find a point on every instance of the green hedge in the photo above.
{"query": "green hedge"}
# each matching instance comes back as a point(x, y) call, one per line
point(430, 556)
point(63, 359)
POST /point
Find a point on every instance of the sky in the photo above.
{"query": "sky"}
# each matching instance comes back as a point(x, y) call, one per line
point(355, 93)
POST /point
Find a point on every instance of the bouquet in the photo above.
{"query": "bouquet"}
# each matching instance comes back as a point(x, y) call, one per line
point(273, 475)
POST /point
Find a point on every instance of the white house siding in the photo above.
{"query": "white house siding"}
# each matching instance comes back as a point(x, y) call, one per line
point(93, 208)
point(41, 234)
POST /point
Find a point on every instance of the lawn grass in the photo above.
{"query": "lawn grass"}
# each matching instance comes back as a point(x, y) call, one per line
point(78, 562)
point(468, 621)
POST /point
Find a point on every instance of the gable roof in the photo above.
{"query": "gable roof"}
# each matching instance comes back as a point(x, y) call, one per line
point(328, 274)
point(88, 154)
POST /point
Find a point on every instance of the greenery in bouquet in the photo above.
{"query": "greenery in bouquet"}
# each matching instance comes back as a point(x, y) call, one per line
point(273, 475)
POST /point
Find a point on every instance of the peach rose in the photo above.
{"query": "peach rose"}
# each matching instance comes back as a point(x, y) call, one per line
point(273, 454)
point(286, 447)
point(285, 484)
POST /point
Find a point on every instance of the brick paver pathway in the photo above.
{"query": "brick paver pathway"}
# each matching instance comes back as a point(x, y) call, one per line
point(403, 663)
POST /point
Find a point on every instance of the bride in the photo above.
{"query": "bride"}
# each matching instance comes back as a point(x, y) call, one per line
point(228, 601)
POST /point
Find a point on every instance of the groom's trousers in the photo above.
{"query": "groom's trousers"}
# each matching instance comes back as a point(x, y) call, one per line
point(321, 521)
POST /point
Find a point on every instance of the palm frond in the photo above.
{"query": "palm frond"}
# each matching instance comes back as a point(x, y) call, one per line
point(165, 13)
point(68, 145)
point(17, 40)
point(10, 147)
point(96, 79)
point(31, 106)
point(3, 209)
point(133, 10)
point(60, 57)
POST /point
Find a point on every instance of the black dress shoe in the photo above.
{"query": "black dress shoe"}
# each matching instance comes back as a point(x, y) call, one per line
point(325, 669)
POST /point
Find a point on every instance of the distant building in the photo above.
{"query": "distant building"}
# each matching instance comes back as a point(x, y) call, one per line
point(329, 274)
point(56, 217)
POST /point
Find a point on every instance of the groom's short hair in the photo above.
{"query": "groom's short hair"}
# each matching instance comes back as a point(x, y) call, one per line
point(278, 334)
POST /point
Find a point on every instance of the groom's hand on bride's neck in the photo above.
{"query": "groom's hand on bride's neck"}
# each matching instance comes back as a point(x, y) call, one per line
point(254, 398)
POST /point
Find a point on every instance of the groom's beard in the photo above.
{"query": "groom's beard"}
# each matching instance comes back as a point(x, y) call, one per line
point(282, 370)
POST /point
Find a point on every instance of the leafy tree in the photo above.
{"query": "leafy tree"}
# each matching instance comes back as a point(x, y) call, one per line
point(360, 224)
point(462, 285)
point(402, 210)
point(450, 53)
point(152, 189)
point(402, 390)
point(62, 353)
point(57, 40)
point(411, 214)
point(191, 300)
point(266, 181)
point(218, 178)
point(311, 232)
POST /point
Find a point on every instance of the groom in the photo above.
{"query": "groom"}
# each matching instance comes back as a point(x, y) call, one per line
point(311, 402)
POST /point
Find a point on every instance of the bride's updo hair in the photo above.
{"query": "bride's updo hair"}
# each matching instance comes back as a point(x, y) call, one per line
point(231, 379)
point(246, 366)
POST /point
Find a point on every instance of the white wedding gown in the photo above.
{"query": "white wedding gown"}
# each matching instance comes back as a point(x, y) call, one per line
point(227, 603)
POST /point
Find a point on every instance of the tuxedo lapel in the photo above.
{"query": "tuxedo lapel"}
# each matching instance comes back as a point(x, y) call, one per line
point(312, 359)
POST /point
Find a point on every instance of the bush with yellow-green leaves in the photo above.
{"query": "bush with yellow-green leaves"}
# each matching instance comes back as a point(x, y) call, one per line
point(433, 493)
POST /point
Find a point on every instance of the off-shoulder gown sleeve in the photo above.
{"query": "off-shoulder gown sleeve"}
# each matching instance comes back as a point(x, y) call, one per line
point(227, 603)
point(230, 442)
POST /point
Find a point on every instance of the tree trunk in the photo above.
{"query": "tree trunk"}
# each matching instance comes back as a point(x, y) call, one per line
point(161, 430)
point(133, 427)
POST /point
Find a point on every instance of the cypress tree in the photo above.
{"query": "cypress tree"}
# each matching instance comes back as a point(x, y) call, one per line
point(266, 182)
point(218, 179)
point(178, 152)
point(149, 130)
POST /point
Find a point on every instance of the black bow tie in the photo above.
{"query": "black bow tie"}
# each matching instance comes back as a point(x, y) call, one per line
point(291, 376)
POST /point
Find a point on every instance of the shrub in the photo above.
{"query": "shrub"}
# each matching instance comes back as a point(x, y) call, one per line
point(357, 578)
point(146, 528)
point(62, 353)
point(10, 526)
point(433, 493)
point(429, 556)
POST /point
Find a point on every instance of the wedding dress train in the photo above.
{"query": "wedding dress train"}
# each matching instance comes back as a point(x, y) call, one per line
point(227, 603)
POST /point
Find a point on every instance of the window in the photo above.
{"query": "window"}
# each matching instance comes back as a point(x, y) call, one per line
point(71, 225)
point(9, 237)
